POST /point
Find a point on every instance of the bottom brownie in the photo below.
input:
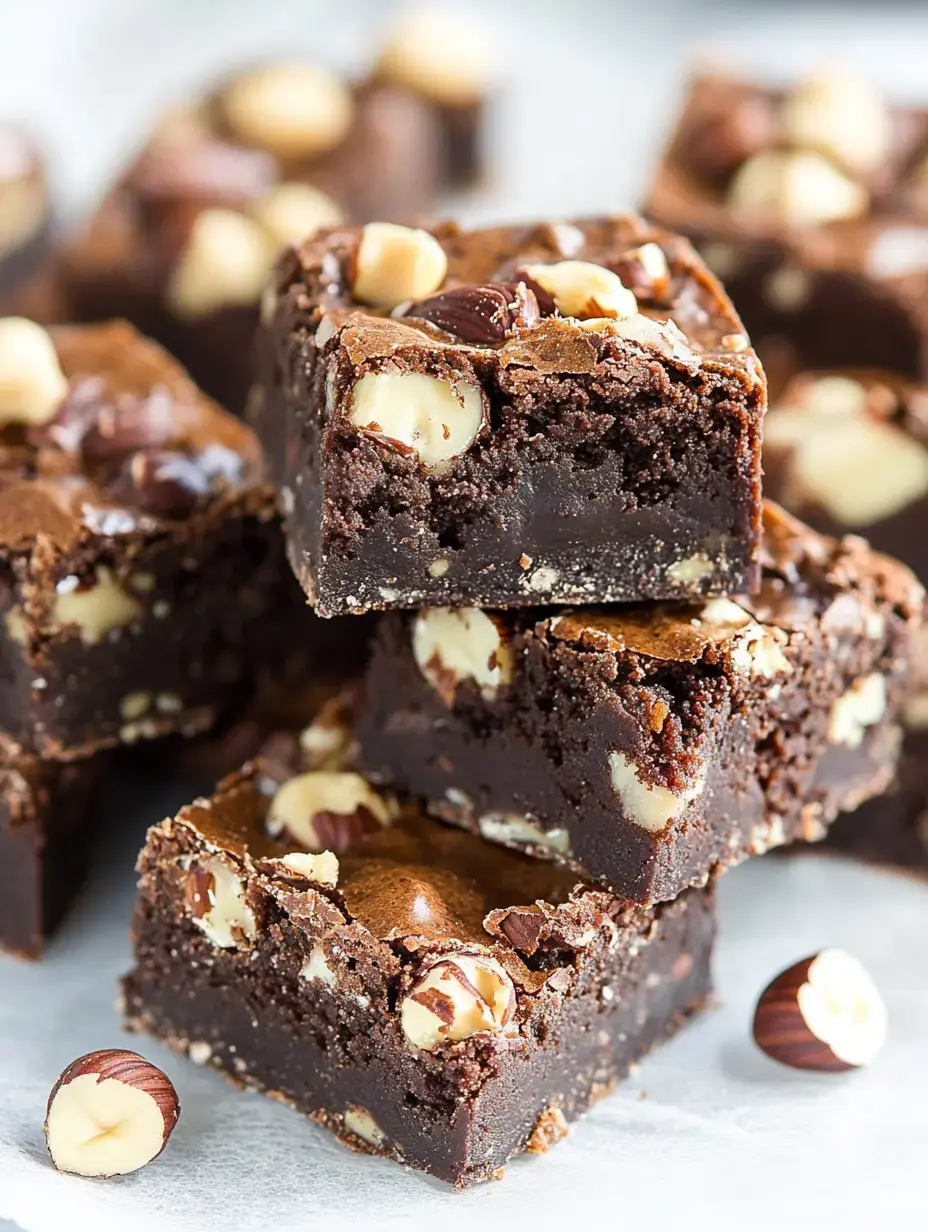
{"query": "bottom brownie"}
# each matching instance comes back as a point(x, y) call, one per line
point(425, 995)
point(47, 815)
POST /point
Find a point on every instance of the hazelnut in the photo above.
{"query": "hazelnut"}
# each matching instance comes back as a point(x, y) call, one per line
point(824, 1013)
point(322, 869)
point(327, 809)
point(800, 188)
point(438, 420)
point(316, 968)
point(517, 830)
point(859, 707)
point(582, 289)
point(96, 609)
point(648, 805)
point(842, 116)
point(456, 997)
point(439, 54)
point(294, 110)
point(216, 895)
point(227, 261)
point(454, 644)
point(358, 1121)
point(110, 1112)
point(396, 263)
point(32, 383)
point(291, 212)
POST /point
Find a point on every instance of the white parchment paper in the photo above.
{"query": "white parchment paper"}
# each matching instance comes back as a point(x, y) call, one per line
point(709, 1134)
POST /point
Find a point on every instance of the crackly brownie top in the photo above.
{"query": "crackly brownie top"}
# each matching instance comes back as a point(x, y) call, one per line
point(102, 433)
point(554, 295)
point(474, 925)
point(852, 443)
point(829, 148)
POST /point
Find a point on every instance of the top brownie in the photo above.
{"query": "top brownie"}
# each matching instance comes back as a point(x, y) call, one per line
point(811, 203)
point(527, 414)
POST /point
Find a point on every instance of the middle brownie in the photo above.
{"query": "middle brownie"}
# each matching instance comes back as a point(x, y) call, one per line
point(649, 746)
point(552, 413)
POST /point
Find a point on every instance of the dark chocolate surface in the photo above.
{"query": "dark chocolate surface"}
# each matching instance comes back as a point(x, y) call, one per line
point(652, 746)
point(608, 465)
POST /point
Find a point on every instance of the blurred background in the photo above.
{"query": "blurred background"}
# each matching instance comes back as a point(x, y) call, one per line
point(586, 88)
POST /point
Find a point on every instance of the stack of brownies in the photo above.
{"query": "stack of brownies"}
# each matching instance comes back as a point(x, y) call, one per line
point(448, 914)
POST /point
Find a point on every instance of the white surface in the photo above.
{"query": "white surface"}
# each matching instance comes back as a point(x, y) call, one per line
point(724, 1139)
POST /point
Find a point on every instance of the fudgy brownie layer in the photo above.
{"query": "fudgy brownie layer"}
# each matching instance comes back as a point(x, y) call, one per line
point(427, 996)
point(651, 746)
point(615, 459)
point(48, 813)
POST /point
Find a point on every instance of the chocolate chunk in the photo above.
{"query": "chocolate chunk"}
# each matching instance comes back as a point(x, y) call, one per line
point(165, 483)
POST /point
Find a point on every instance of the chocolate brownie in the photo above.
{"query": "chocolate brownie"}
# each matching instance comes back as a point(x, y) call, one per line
point(448, 61)
point(48, 815)
point(427, 996)
point(812, 204)
point(547, 413)
point(849, 451)
point(649, 746)
point(184, 243)
point(143, 581)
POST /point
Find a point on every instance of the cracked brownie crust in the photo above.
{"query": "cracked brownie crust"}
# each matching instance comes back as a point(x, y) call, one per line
point(572, 413)
point(650, 746)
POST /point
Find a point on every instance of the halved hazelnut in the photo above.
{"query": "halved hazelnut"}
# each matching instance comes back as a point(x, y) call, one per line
point(823, 1013)
point(218, 903)
point(457, 996)
point(96, 609)
point(454, 644)
point(327, 810)
point(439, 420)
point(110, 1112)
